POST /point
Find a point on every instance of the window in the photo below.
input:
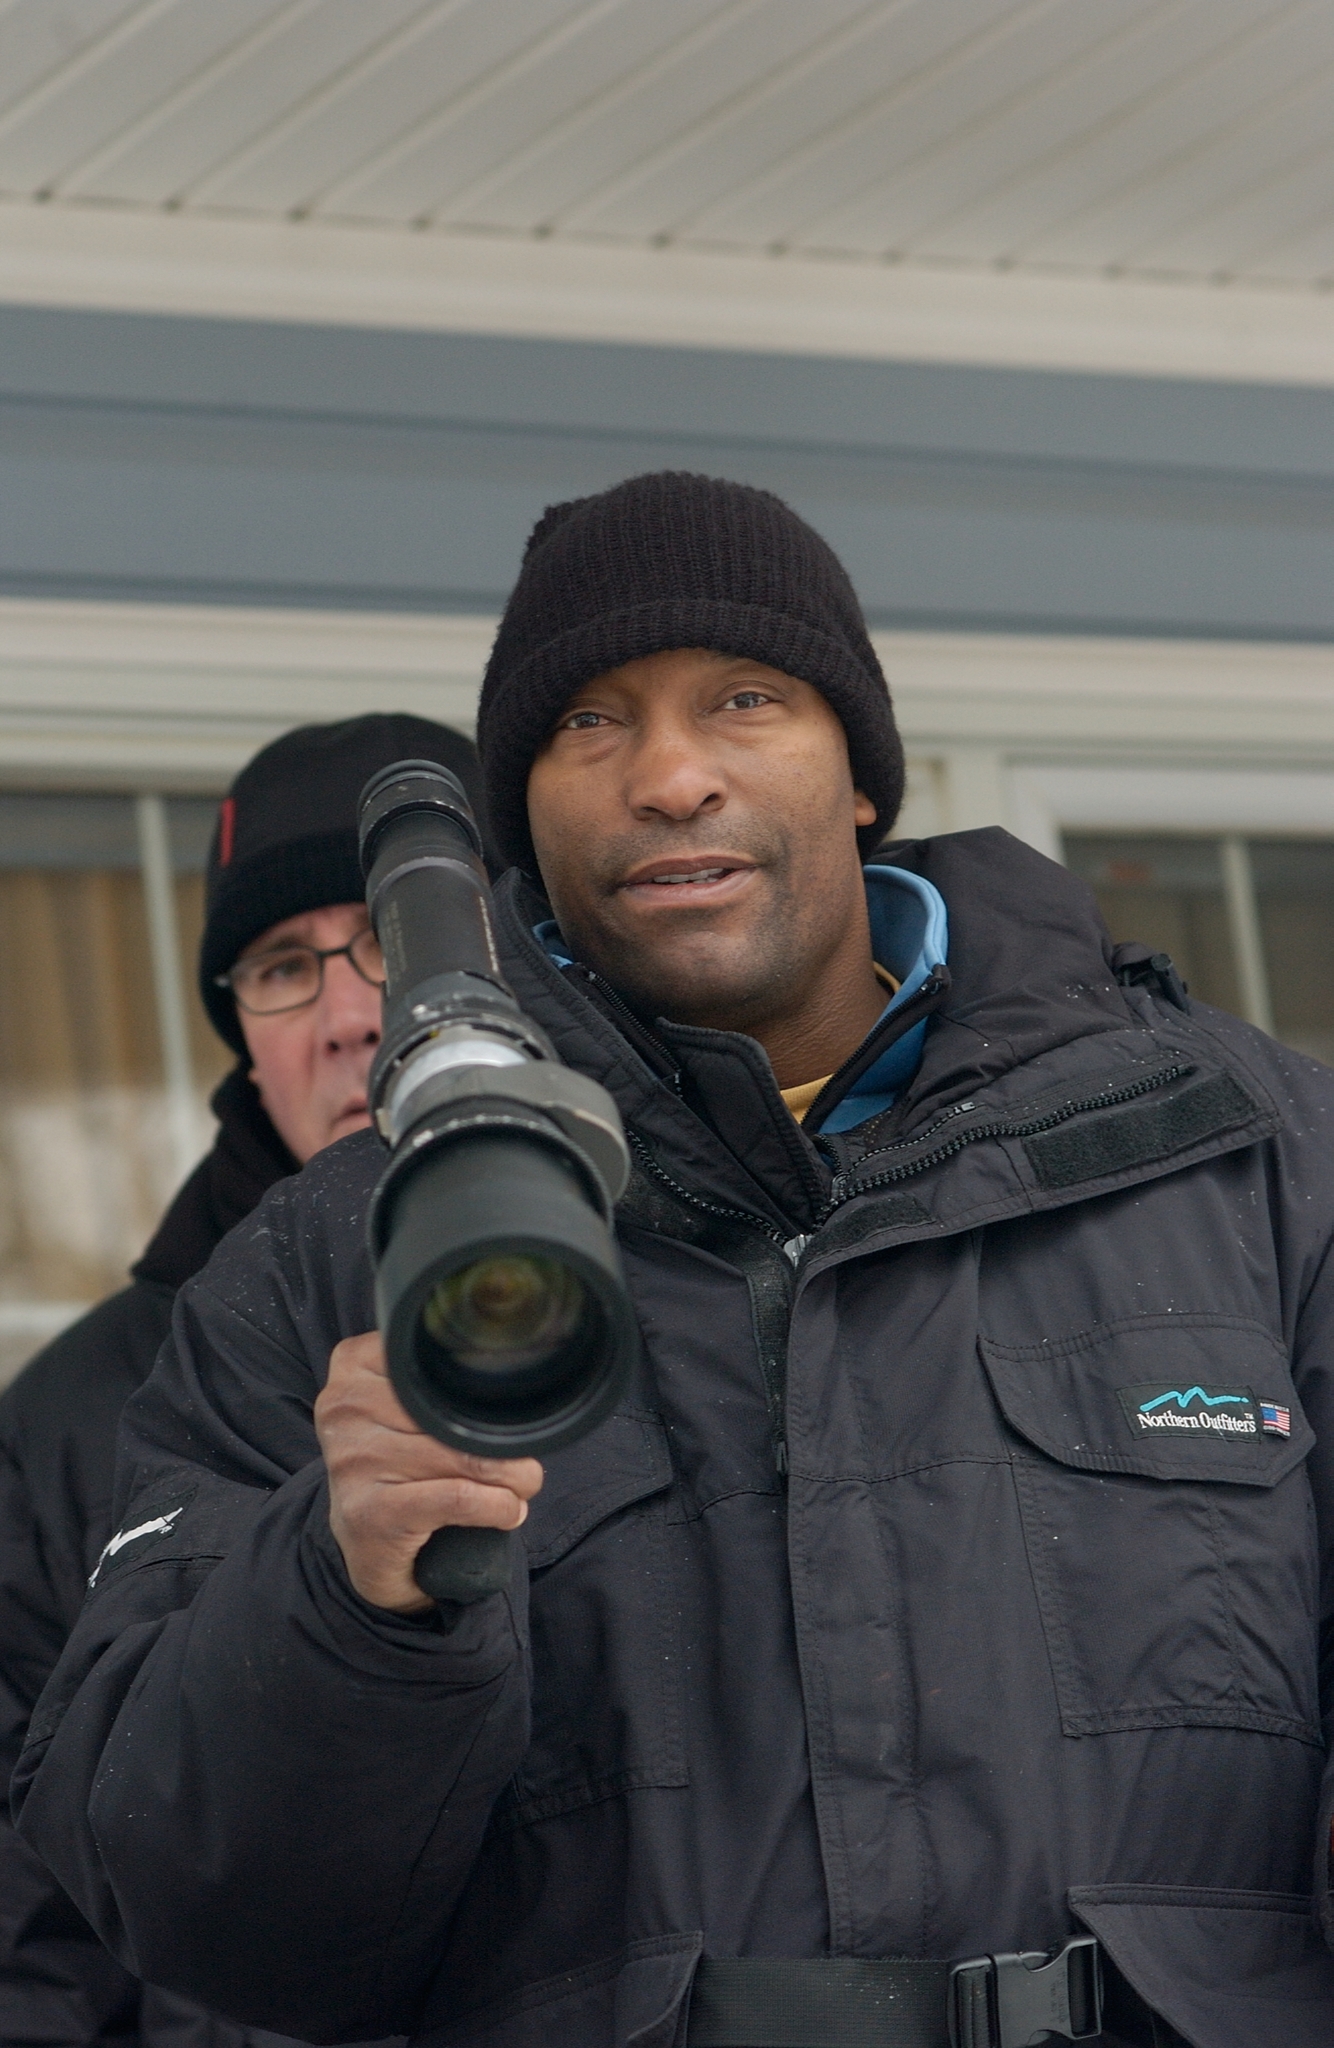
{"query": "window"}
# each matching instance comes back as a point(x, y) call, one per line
point(106, 1057)
point(1248, 920)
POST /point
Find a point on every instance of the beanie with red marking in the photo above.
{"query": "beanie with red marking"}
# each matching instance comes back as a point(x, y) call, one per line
point(286, 836)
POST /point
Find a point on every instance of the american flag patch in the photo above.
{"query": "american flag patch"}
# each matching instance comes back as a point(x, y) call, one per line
point(1275, 1421)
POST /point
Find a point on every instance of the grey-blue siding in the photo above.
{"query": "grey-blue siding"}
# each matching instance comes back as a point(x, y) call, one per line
point(172, 459)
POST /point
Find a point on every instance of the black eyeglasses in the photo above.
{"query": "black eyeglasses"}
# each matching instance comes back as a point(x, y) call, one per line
point(289, 977)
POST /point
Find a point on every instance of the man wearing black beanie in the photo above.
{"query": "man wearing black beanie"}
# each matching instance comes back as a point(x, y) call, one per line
point(677, 561)
point(925, 1654)
point(283, 875)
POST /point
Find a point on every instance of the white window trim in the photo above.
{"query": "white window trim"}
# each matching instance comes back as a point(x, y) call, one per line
point(1235, 804)
point(1047, 800)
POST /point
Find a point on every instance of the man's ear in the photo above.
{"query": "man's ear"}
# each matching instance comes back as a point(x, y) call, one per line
point(863, 810)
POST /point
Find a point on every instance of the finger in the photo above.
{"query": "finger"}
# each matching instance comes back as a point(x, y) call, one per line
point(358, 1384)
point(412, 1510)
point(363, 1427)
point(359, 1377)
point(363, 1353)
point(523, 1476)
point(355, 1394)
point(366, 1449)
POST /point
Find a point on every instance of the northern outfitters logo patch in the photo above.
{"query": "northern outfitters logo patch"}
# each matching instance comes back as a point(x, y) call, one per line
point(1163, 1408)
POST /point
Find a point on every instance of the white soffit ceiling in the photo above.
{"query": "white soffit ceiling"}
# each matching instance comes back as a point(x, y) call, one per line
point(1132, 184)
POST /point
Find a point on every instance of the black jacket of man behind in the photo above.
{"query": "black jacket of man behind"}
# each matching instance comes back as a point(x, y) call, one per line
point(58, 1427)
point(1025, 1640)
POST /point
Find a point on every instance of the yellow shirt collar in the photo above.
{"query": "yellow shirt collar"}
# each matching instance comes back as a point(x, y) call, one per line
point(800, 1098)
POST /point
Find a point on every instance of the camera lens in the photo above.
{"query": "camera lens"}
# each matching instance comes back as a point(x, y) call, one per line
point(507, 1327)
point(506, 1313)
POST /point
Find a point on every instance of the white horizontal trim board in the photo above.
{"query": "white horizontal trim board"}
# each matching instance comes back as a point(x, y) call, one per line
point(1269, 803)
point(1027, 731)
point(179, 696)
point(230, 638)
point(1049, 693)
point(147, 261)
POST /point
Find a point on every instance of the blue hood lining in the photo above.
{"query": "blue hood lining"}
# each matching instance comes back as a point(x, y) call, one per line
point(910, 935)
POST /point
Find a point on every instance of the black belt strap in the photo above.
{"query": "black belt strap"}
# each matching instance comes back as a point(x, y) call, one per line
point(753, 2002)
point(1000, 2001)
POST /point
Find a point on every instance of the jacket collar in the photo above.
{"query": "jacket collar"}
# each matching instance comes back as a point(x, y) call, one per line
point(247, 1158)
point(909, 936)
point(705, 1099)
point(1034, 1012)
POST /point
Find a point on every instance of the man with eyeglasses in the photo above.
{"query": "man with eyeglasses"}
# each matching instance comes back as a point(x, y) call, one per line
point(309, 1033)
point(290, 974)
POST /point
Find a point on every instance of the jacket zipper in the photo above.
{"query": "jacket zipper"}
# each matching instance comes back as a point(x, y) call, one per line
point(700, 1202)
point(846, 1186)
point(771, 1362)
point(634, 1028)
point(889, 1031)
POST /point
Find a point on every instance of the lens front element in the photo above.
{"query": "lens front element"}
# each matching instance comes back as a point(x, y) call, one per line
point(508, 1329)
point(503, 1315)
point(505, 1339)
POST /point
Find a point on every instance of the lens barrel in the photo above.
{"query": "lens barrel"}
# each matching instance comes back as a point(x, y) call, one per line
point(508, 1329)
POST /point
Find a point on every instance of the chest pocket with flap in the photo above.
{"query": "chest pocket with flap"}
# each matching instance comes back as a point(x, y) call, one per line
point(1169, 1523)
point(606, 1671)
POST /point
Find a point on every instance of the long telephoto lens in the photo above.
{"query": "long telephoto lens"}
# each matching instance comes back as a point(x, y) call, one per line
point(508, 1329)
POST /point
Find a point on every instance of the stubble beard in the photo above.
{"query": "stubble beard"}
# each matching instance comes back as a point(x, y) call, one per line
point(740, 980)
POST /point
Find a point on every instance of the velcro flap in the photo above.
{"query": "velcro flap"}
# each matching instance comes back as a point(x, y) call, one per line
point(1139, 1134)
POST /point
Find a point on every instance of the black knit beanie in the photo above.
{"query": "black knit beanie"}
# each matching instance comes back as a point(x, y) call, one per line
point(673, 560)
point(286, 836)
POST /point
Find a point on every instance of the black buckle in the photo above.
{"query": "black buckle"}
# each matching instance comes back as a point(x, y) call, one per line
point(1157, 968)
point(1019, 2001)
